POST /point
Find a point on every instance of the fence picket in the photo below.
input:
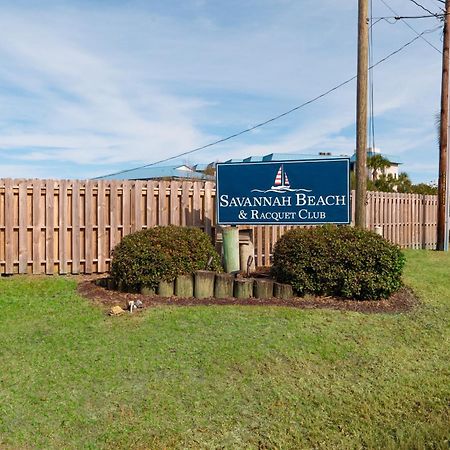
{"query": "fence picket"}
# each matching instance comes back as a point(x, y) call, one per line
point(76, 248)
point(114, 215)
point(37, 214)
point(23, 228)
point(62, 224)
point(101, 231)
point(126, 208)
point(88, 227)
point(162, 204)
point(9, 227)
point(174, 205)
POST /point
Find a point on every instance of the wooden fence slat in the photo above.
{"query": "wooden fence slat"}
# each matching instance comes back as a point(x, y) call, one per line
point(174, 208)
point(196, 217)
point(267, 246)
point(9, 227)
point(37, 214)
point(273, 238)
point(408, 221)
point(76, 247)
point(62, 223)
point(126, 208)
point(186, 214)
point(412, 215)
point(135, 208)
point(114, 218)
point(389, 218)
point(208, 209)
point(162, 208)
point(88, 226)
point(49, 227)
point(423, 221)
point(259, 246)
point(23, 228)
point(138, 206)
point(152, 213)
point(369, 210)
point(101, 228)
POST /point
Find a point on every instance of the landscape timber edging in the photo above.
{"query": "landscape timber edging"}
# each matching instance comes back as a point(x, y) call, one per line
point(208, 284)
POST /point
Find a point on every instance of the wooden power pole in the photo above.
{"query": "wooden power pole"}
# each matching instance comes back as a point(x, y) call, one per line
point(442, 219)
point(361, 113)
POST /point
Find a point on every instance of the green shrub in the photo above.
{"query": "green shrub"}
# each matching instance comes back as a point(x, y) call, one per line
point(161, 253)
point(341, 261)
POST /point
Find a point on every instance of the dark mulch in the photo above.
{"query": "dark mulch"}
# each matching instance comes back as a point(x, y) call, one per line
point(403, 301)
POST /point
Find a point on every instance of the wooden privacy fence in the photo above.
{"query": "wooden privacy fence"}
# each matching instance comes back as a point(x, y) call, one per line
point(70, 226)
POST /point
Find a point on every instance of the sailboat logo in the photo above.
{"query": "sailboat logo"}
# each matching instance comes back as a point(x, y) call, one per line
point(281, 183)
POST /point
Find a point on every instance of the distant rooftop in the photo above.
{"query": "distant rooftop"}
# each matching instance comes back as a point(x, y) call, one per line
point(159, 172)
point(199, 171)
point(376, 151)
point(284, 157)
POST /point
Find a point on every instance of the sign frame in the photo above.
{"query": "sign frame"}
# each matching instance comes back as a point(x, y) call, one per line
point(285, 162)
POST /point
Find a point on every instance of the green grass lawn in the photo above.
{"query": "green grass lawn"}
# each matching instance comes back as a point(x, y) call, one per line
point(224, 377)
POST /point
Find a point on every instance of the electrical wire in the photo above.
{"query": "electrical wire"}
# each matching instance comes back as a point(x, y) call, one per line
point(428, 16)
point(439, 5)
point(411, 28)
point(374, 23)
point(279, 116)
point(422, 7)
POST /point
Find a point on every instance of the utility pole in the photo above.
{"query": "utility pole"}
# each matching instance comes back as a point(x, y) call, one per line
point(361, 113)
point(442, 219)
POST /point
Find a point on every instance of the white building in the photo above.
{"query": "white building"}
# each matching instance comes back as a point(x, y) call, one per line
point(393, 169)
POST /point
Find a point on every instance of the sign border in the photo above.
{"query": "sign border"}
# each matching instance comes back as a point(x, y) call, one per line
point(283, 161)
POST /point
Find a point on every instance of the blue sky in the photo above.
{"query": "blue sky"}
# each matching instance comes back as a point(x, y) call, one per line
point(92, 87)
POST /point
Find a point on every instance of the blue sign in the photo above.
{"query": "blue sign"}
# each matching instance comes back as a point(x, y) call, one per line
point(306, 192)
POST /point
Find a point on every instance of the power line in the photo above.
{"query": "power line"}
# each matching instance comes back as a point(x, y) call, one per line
point(422, 7)
point(376, 21)
point(279, 116)
point(432, 30)
point(428, 16)
point(411, 28)
point(438, 4)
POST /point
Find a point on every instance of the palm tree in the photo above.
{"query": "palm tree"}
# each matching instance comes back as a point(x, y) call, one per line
point(404, 183)
point(377, 163)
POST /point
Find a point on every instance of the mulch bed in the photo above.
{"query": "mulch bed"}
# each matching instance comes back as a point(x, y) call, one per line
point(402, 301)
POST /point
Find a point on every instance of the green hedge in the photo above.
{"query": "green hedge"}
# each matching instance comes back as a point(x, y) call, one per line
point(340, 261)
point(161, 253)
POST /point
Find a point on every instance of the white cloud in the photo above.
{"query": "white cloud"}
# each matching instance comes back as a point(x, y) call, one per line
point(107, 86)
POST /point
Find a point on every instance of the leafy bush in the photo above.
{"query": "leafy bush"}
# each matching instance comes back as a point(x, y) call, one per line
point(341, 261)
point(161, 253)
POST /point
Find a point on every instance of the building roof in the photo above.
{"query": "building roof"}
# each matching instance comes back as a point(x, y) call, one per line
point(282, 157)
point(392, 159)
point(294, 156)
point(253, 159)
point(197, 172)
point(157, 172)
point(233, 160)
point(201, 167)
